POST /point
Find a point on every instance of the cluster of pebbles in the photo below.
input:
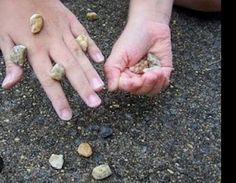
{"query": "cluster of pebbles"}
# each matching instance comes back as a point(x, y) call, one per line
point(149, 63)
point(85, 150)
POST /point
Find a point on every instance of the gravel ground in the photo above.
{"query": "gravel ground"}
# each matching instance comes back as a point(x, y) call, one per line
point(175, 137)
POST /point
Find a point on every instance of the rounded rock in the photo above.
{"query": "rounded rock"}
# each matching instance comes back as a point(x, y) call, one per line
point(56, 161)
point(82, 40)
point(57, 72)
point(105, 132)
point(18, 54)
point(92, 16)
point(36, 23)
point(101, 172)
point(153, 60)
point(85, 150)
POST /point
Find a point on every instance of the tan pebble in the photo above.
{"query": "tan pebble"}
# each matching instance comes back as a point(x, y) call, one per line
point(36, 23)
point(92, 16)
point(139, 67)
point(18, 54)
point(82, 40)
point(57, 72)
point(85, 150)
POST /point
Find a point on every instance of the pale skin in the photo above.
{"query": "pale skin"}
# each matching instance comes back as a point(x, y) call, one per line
point(147, 30)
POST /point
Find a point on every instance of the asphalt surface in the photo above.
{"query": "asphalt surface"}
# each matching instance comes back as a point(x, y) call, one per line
point(175, 137)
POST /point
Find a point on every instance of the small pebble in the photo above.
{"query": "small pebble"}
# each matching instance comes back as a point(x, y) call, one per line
point(17, 139)
point(82, 40)
point(139, 67)
point(92, 16)
point(36, 23)
point(153, 60)
point(1, 164)
point(56, 161)
point(149, 63)
point(18, 54)
point(57, 72)
point(101, 172)
point(105, 132)
point(85, 150)
point(170, 171)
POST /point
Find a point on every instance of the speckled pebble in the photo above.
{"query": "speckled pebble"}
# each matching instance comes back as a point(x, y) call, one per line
point(101, 172)
point(1, 164)
point(56, 161)
point(105, 132)
point(149, 63)
point(85, 150)
point(139, 67)
point(18, 54)
point(153, 60)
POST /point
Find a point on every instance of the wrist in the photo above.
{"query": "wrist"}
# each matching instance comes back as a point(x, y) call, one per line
point(150, 10)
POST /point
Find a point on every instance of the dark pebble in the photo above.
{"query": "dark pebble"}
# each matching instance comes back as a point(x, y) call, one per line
point(1, 164)
point(105, 132)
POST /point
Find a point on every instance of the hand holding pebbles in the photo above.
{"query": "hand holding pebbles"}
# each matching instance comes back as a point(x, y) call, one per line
point(57, 72)
point(36, 23)
point(82, 40)
point(18, 54)
point(150, 63)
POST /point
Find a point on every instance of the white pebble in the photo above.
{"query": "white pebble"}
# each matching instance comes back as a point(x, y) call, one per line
point(101, 172)
point(56, 161)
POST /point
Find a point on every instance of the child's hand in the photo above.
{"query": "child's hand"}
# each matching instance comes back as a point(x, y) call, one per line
point(56, 42)
point(136, 41)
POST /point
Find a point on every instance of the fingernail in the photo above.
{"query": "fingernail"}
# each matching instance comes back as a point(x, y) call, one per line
point(7, 80)
point(99, 57)
point(94, 101)
point(97, 84)
point(66, 114)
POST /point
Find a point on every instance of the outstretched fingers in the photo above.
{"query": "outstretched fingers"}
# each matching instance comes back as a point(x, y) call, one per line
point(93, 50)
point(75, 74)
point(52, 88)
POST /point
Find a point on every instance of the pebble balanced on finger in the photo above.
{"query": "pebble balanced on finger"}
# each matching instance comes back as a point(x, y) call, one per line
point(36, 23)
point(18, 54)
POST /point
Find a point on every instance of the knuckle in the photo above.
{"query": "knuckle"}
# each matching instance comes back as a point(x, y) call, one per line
point(70, 64)
point(47, 83)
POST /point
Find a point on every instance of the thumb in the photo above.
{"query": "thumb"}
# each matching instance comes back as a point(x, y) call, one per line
point(113, 68)
point(112, 73)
